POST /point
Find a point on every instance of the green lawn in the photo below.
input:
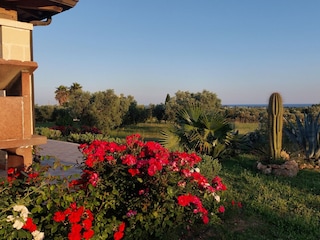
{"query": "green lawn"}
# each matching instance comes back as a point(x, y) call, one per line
point(244, 128)
point(273, 207)
point(148, 131)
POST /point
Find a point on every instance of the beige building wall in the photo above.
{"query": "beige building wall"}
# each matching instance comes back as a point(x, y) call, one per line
point(15, 40)
point(15, 44)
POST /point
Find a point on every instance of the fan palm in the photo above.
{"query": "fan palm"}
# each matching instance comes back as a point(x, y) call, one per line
point(196, 131)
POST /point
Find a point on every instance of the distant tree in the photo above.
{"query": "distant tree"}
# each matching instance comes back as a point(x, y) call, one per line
point(44, 113)
point(208, 101)
point(159, 112)
point(135, 114)
point(167, 98)
point(107, 110)
point(61, 116)
point(79, 102)
point(62, 94)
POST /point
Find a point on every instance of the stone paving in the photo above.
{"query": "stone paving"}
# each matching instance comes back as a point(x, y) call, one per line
point(67, 153)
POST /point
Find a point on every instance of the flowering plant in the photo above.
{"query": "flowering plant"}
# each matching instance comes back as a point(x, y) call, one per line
point(146, 187)
point(16, 221)
point(130, 190)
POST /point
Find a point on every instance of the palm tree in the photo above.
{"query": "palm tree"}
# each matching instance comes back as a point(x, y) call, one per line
point(75, 87)
point(62, 94)
point(196, 131)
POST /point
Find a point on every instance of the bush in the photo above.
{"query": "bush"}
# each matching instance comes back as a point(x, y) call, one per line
point(49, 133)
point(135, 190)
point(85, 137)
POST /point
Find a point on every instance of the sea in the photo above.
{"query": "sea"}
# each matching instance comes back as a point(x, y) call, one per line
point(289, 105)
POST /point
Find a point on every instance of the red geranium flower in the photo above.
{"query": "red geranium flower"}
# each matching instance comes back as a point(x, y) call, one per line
point(129, 160)
point(118, 235)
point(133, 171)
point(59, 216)
point(88, 234)
point(29, 225)
point(122, 226)
point(221, 209)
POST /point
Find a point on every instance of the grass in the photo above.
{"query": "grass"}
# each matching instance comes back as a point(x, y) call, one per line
point(273, 207)
point(244, 128)
point(148, 131)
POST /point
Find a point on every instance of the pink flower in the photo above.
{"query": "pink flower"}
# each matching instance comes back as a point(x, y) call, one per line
point(131, 213)
point(154, 166)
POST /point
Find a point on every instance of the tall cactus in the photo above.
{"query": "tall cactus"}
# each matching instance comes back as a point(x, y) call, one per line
point(275, 124)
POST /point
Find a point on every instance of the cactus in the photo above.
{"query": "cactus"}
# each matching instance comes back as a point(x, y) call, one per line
point(275, 124)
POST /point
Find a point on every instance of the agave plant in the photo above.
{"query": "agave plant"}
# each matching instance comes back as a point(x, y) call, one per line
point(306, 134)
point(196, 131)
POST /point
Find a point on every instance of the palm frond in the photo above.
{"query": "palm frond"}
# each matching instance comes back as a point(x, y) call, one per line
point(170, 140)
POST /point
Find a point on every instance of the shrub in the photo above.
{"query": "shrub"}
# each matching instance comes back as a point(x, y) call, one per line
point(85, 137)
point(135, 190)
point(49, 133)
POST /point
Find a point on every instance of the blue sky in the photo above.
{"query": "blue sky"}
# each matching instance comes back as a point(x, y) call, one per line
point(242, 50)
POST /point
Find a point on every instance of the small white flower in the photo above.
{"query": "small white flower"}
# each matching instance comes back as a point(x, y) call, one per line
point(23, 211)
point(37, 235)
point(20, 208)
point(10, 218)
point(216, 197)
point(197, 170)
point(24, 215)
point(18, 224)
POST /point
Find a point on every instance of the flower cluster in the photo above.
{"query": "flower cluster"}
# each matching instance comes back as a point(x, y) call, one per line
point(15, 173)
point(185, 200)
point(80, 220)
point(87, 177)
point(22, 221)
point(239, 204)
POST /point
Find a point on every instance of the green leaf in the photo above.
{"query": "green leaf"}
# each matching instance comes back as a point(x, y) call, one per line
point(54, 228)
point(155, 213)
point(39, 200)
point(170, 191)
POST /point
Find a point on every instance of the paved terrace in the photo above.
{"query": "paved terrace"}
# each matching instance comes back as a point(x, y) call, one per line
point(67, 153)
